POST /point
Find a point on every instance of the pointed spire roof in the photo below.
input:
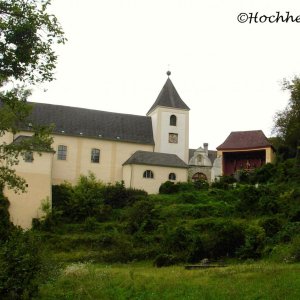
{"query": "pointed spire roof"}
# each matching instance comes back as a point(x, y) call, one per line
point(168, 97)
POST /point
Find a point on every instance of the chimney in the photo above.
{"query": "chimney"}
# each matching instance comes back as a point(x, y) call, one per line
point(205, 146)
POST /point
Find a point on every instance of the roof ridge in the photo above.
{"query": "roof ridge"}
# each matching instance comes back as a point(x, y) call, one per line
point(88, 109)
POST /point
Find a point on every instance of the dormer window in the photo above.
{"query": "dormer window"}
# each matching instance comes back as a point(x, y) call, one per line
point(173, 120)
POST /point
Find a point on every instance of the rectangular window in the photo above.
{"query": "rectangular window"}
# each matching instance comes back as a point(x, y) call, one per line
point(95, 156)
point(28, 156)
point(173, 138)
point(62, 152)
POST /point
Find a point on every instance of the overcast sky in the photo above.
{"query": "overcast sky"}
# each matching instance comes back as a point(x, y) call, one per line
point(228, 73)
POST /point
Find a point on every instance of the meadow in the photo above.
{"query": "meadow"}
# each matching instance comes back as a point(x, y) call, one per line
point(252, 280)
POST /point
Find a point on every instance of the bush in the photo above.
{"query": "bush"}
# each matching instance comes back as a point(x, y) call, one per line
point(117, 196)
point(254, 243)
point(164, 260)
point(223, 182)
point(271, 225)
point(201, 184)
point(168, 187)
point(140, 216)
point(5, 224)
point(20, 266)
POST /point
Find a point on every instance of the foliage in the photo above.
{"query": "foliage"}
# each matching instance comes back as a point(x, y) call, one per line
point(254, 242)
point(170, 187)
point(5, 224)
point(140, 216)
point(287, 122)
point(164, 260)
point(91, 198)
point(27, 35)
point(223, 182)
point(20, 266)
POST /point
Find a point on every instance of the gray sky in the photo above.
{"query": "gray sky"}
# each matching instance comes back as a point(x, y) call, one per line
point(227, 72)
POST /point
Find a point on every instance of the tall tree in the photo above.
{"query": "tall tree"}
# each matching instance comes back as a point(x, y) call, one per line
point(287, 121)
point(27, 36)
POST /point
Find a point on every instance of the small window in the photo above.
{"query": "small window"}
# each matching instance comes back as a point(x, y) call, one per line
point(173, 120)
point(95, 156)
point(62, 152)
point(173, 138)
point(28, 156)
point(172, 176)
point(148, 174)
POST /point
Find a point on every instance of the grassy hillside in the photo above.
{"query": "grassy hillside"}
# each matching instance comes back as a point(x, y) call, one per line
point(142, 281)
point(253, 225)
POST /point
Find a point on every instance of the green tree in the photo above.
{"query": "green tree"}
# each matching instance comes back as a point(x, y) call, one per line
point(287, 121)
point(27, 36)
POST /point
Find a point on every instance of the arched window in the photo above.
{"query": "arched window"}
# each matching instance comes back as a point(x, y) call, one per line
point(199, 176)
point(148, 174)
point(172, 176)
point(173, 120)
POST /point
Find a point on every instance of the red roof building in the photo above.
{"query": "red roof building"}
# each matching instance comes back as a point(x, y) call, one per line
point(245, 150)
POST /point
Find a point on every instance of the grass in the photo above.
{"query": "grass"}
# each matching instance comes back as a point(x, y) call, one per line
point(142, 281)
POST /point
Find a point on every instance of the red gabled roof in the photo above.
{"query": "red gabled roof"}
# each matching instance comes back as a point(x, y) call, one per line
point(245, 140)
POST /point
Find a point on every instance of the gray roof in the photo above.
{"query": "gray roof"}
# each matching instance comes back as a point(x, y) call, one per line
point(168, 97)
point(156, 159)
point(212, 154)
point(93, 123)
point(31, 143)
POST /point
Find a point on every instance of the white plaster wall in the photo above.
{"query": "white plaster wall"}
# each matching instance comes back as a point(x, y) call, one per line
point(161, 129)
point(112, 155)
point(26, 206)
point(151, 185)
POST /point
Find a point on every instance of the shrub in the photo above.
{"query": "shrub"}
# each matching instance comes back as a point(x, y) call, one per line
point(263, 174)
point(5, 224)
point(254, 242)
point(295, 249)
point(117, 196)
point(223, 182)
point(140, 216)
point(201, 184)
point(271, 225)
point(90, 224)
point(20, 266)
point(168, 187)
point(164, 260)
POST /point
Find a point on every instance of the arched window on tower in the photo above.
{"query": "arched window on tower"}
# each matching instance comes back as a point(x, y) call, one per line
point(173, 120)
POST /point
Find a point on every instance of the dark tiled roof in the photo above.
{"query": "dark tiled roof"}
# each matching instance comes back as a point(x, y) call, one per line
point(245, 140)
point(168, 97)
point(191, 153)
point(212, 154)
point(156, 159)
point(29, 141)
point(93, 123)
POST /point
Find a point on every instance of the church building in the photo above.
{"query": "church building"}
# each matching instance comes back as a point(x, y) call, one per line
point(142, 151)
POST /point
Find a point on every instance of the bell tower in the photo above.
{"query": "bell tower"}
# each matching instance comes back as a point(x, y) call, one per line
point(170, 122)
